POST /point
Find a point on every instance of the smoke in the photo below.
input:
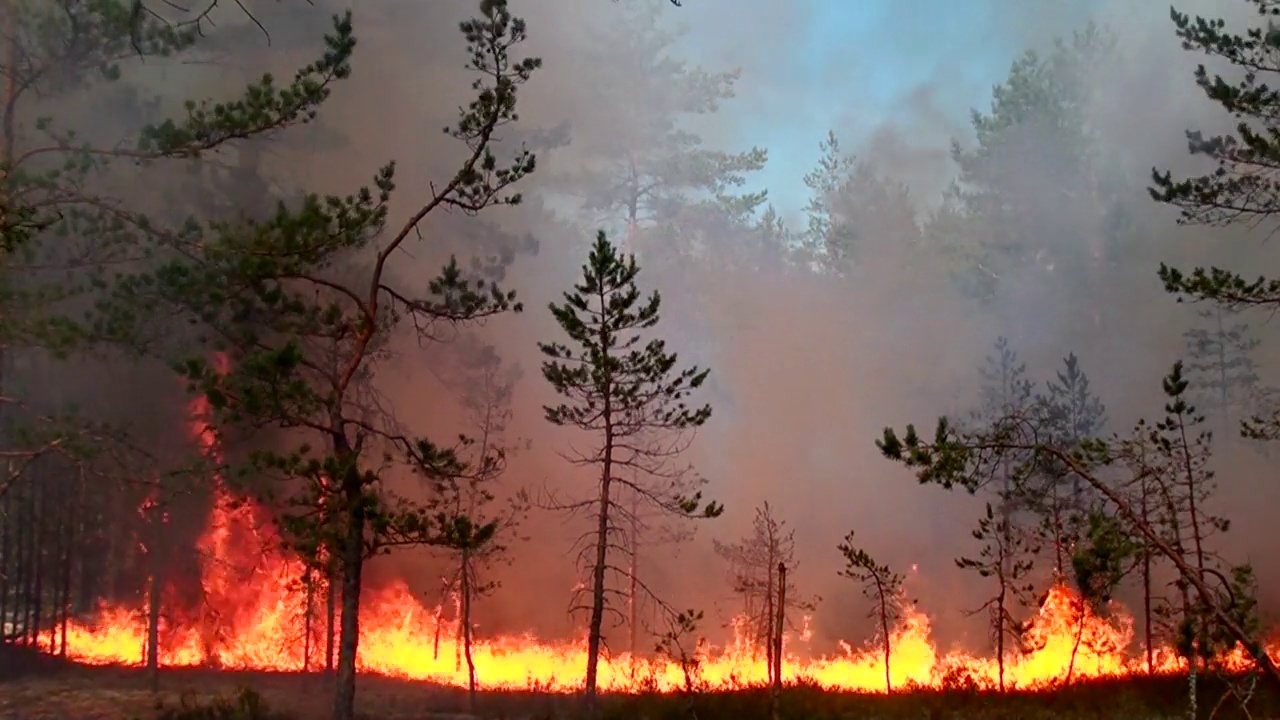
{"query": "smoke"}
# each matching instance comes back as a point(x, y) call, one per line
point(807, 371)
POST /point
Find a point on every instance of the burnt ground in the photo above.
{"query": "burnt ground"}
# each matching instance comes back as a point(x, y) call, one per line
point(37, 687)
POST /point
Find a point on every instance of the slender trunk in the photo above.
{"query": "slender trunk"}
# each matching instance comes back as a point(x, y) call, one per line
point(32, 544)
point(770, 614)
point(1146, 586)
point(1075, 645)
point(884, 630)
point(633, 561)
point(331, 614)
point(999, 622)
point(344, 699)
point(153, 621)
point(467, 633)
point(457, 635)
point(309, 587)
point(38, 557)
point(779, 623)
point(435, 643)
point(1201, 621)
point(6, 564)
point(597, 583)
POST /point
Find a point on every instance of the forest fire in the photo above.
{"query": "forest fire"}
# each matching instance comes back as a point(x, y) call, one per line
point(258, 616)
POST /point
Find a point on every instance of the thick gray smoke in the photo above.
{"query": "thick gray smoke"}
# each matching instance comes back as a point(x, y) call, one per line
point(807, 370)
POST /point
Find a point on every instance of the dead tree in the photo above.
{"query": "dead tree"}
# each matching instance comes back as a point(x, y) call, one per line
point(754, 576)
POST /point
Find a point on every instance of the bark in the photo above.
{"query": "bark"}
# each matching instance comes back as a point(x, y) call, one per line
point(467, 633)
point(1146, 586)
point(40, 523)
point(309, 587)
point(344, 700)
point(153, 622)
point(6, 566)
point(598, 582)
point(632, 610)
point(884, 629)
point(776, 640)
point(331, 616)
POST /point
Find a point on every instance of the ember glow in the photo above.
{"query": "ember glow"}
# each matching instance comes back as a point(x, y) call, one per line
point(255, 611)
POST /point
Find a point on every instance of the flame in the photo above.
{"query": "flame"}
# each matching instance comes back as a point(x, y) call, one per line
point(253, 619)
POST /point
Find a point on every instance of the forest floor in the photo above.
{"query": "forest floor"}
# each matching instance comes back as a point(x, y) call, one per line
point(54, 691)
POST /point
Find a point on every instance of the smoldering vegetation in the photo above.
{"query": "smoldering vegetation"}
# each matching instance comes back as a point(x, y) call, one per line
point(874, 306)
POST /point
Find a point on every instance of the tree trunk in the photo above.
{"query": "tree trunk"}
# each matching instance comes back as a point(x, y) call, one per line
point(344, 699)
point(884, 629)
point(1146, 586)
point(38, 557)
point(467, 633)
point(598, 585)
point(6, 565)
point(776, 640)
point(29, 563)
point(331, 614)
point(153, 621)
point(632, 606)
point(309, 587)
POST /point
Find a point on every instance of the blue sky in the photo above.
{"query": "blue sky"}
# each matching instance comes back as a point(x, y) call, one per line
point(854, 65)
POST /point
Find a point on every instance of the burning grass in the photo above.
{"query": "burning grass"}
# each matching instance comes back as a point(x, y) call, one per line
point(116, 693)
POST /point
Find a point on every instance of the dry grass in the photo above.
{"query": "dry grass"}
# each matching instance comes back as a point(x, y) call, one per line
point(76, 693)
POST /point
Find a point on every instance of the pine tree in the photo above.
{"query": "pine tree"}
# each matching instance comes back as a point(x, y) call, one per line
point(628, 394)
point(823, 239)
point(304, 303)
point(1005, 558)
point(1221, 368)
point(649, 176)
point(884, 588)
point(1072, 413)
point(1241, 189)
point(1171, 455)
point(1034, 196)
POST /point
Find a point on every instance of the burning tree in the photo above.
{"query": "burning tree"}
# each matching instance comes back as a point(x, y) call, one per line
point(64, 218)
point(305, 303)
point(754, 577)
point(633, 399)
point(1163, 454)
point(883, 587)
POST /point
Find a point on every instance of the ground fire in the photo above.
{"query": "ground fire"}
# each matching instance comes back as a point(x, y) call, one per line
point(255, 618)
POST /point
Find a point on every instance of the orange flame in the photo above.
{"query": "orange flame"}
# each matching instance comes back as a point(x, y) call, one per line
point(254, 619)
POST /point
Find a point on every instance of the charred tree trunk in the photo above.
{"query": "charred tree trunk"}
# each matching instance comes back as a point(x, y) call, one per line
point(154, 590)
point(344, 699)
point(597, 581)
point(780, 619)
point(41, 527)
point(28, 562)
point(632, 600)
point(884, 630)
point(308, 587)
point(331, 616)
point(1144, 512)
point(467, 632)
point(6, 565)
